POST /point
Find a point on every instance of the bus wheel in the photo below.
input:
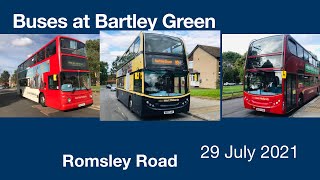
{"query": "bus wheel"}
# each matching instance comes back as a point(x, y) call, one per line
point(300, 100)
point(42, 100)
point(117, 95)
point(130, 104)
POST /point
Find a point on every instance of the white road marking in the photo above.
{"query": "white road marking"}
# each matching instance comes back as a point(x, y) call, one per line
point(94, 108)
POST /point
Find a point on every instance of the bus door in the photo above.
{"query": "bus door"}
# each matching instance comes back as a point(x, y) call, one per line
point(52, 91)
point(291, 92)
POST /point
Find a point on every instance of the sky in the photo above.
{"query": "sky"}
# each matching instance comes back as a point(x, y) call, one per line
point(240, 42)
point(115, 43)
point(16, 48)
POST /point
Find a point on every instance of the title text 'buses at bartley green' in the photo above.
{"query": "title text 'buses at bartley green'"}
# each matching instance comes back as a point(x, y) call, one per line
point(154, 77)
point(57, 75)
point(280, 75)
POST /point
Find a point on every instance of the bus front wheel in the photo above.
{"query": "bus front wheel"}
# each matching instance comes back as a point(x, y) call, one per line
point(300, 100)
point(42, 100)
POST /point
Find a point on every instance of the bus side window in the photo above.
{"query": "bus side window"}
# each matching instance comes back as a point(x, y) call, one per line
point(33, 59)
point(300, 51)
point(136, 46)
point(41, 55)
point(51, 49)
point(53, 83)
point(306, 55)
point(292, 47)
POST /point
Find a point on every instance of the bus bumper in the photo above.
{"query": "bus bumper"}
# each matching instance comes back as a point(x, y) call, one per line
point(272, 105)
point(182, 106)
point(75, 105)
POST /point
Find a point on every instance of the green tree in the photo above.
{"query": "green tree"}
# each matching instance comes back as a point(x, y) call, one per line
point(239, 65)
point(93, 54)
point(115, 65)
point(228, 74)
point(14, 78)
point(103, 72)
point(230, 57)
point(4, 78)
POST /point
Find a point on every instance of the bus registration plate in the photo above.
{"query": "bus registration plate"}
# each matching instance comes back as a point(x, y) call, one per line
point(81, 105)
point(168, 112)
point(260, 109)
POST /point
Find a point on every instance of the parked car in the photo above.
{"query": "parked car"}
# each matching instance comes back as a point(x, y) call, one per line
point(240, 83)
point(108, 86)
point(113, 88)
point(229, 84)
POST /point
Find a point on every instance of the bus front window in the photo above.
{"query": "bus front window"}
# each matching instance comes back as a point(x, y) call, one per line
point(69, 46)
point(72, 81)
point(165, 83)
point(263, 83)
point(268, 45)
point(156, 43)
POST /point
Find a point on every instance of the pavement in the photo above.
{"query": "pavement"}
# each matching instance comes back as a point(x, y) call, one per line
point(206, 109)
point(12, 105)
point(113, 110)
point(96, 101)
point(312, 109)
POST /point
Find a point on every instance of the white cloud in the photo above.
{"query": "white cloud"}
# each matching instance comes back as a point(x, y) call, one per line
point(239, 42)
point(24, 41)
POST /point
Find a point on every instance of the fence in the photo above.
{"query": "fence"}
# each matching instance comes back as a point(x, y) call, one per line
point(232, 94)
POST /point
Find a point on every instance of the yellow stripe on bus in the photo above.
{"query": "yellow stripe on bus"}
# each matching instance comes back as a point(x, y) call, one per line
point(153, 97)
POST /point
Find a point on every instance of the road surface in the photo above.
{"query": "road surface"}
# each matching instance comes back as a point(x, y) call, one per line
point(234, 108)
point(12, 105)
point(113, 110)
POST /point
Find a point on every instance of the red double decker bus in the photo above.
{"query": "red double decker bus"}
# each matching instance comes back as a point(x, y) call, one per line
point(57, 75)
point(280, 75)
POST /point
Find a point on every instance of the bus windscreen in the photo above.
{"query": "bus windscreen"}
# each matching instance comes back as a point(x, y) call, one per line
point(165, 83)
point(263, 83)
point(72, 81)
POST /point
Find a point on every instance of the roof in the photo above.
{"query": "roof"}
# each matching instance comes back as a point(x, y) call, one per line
point(213, 51)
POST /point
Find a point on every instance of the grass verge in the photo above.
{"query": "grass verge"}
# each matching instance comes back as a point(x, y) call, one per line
point(227, 92)
point(95, 88)
point(205, 93)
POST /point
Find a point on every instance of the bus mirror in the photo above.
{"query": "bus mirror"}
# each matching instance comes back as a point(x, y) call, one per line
point(284, 74)
point(54, 77)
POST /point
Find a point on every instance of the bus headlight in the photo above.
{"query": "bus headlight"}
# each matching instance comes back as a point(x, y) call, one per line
point(149, 104)
point(69, 100)
point(277, 102)
point(91, 96)
point(185, 102)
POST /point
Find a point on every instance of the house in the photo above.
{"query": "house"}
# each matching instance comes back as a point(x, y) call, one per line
point(204, 65)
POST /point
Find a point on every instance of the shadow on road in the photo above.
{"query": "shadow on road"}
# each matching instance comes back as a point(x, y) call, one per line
point(163, 117)
point(7, 97)
point(76, 109)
